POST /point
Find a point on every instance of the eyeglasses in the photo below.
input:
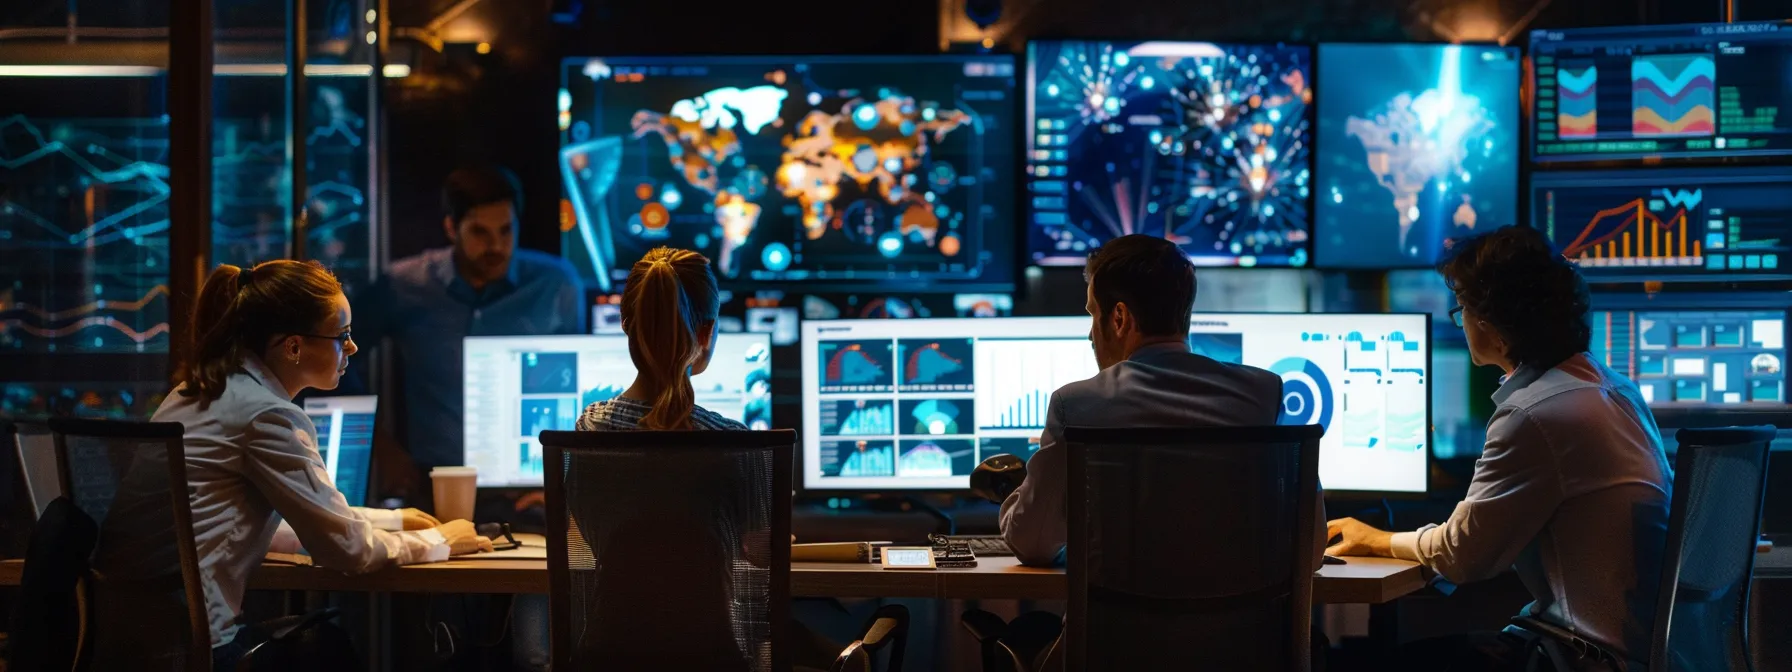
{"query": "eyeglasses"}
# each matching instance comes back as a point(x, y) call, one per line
point(1456, 316)
point(342, 339)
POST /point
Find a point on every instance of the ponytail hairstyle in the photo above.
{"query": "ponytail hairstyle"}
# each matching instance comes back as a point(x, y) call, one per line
point(240, 312)
point(670, 296)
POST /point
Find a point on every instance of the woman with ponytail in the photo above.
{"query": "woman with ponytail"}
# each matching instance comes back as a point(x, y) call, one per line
point(261, 336)
point(669, 309)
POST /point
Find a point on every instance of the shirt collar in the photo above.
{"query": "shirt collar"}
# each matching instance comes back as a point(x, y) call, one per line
point(1156, 349)
point(444, 272)
point(258, 370)
point(1520, 378)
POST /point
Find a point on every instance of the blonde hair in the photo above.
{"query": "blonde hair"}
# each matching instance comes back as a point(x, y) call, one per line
point(670, 295)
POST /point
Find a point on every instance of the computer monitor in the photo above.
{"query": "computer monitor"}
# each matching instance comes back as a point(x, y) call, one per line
point(906, 405)
point(1205, 144)
point(1415, 148)
point(1731, 358)
point(829, 171)
point(519, 386)
point(1699, 90)
point(345, 441)
point(1669, 223)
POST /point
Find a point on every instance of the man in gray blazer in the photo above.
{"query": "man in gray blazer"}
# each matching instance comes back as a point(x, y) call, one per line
point(1141, 292)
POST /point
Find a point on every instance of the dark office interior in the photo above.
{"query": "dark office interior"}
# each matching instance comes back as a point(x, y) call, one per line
point(1515, 263)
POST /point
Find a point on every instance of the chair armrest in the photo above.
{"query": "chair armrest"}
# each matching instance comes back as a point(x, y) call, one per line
point(1576, 645)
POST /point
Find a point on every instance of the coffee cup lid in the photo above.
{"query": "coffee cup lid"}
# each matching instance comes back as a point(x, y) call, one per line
point(454, 471)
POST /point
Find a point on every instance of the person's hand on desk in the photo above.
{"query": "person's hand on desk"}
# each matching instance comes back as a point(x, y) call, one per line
point(418, 520)
point(1356, 538)
point(462, 539)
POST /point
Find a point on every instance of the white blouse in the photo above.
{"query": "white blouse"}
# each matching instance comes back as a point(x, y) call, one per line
point(252, 460)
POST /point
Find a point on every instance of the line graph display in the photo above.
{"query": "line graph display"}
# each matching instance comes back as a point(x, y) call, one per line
point(1684, 91)
point(1673, 95)
point(936, 458)
point(1668, 222)
point(936, 416)
point(847, 459)
point(858, 417)
point(936, 365)
point(1577, 88)
point(857, 366)
point(1015, 378)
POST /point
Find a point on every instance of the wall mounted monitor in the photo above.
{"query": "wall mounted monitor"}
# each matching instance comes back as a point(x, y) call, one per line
point(1208, 145)
point(826, 171)
point(1716, 358)
point(1701, 90)
point(1416, 146)
point(1669, 223)
point(894, 405)
point(518, 386)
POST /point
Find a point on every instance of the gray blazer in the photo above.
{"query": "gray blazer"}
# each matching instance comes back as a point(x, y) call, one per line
point(1162, 385)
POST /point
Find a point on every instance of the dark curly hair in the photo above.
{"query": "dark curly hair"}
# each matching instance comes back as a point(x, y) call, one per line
point(1513, 279)
point(1152, 276)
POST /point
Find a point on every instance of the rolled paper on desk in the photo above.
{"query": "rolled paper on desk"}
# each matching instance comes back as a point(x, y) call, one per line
point(848, 551)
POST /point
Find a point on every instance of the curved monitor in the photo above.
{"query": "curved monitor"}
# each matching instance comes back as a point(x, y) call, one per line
point(894, 405)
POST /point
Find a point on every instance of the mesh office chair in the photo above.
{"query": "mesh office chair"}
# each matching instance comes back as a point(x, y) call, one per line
point(1191, 547)
point(1701, 620)
point(669, 550)
point(145, 609)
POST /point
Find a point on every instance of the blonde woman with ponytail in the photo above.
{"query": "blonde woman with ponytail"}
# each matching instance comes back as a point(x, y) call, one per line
point(669, 309)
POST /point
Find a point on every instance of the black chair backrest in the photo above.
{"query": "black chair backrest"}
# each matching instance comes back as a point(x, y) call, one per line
point(146, 608)
point(1191, 545)
point(669, 550)
point(1701, 616)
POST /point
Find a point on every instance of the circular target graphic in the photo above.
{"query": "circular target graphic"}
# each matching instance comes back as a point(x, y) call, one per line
point(1306, 393)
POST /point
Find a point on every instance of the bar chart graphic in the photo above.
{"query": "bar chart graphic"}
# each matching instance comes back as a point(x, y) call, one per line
point(1651, 231)
point(865, 417)
point(858, 458)
point(936, 366)
point(856, 366)
point(1016, 378)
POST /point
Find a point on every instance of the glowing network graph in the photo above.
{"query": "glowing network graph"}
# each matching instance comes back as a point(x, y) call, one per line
point(936, 366)
point(1577, 88)
point(1673, 95)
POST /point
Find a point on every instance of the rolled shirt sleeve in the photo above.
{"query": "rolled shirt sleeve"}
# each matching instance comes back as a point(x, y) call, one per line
point(1515, 487)
point(281, 459)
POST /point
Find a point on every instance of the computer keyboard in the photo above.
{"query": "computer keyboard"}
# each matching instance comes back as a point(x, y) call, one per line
point(985, 546)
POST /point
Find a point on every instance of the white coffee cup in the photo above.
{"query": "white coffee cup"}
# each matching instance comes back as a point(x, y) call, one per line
point(454, 488)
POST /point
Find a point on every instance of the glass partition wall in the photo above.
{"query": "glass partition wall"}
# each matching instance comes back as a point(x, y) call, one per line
point(85, 180)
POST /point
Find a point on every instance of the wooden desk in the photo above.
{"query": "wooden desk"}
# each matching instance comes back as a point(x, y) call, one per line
point(1362, 581)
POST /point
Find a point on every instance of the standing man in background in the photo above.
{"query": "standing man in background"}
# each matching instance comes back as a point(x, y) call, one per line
point(480, 285)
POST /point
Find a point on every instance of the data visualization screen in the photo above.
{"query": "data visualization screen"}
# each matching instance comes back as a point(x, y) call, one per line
point(1416, 147)
point(1708, 90)
point(1697, 357)
point(826, 171)
point(916, 404)
point(520, 386)
point(1666, 223)
point(345, 441)
point(1207, 145)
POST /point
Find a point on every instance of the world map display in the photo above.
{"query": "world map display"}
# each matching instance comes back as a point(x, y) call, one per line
point(845, 171)
point(1415, 155)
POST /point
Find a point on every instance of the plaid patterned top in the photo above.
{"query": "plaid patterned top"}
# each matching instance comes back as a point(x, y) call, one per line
point(622, 414)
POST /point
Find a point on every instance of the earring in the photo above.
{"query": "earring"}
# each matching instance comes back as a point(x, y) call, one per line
point(295, 360)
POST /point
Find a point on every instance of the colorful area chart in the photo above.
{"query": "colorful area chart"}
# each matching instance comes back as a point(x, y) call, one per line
point(1673, 95)
point(1577, 88)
